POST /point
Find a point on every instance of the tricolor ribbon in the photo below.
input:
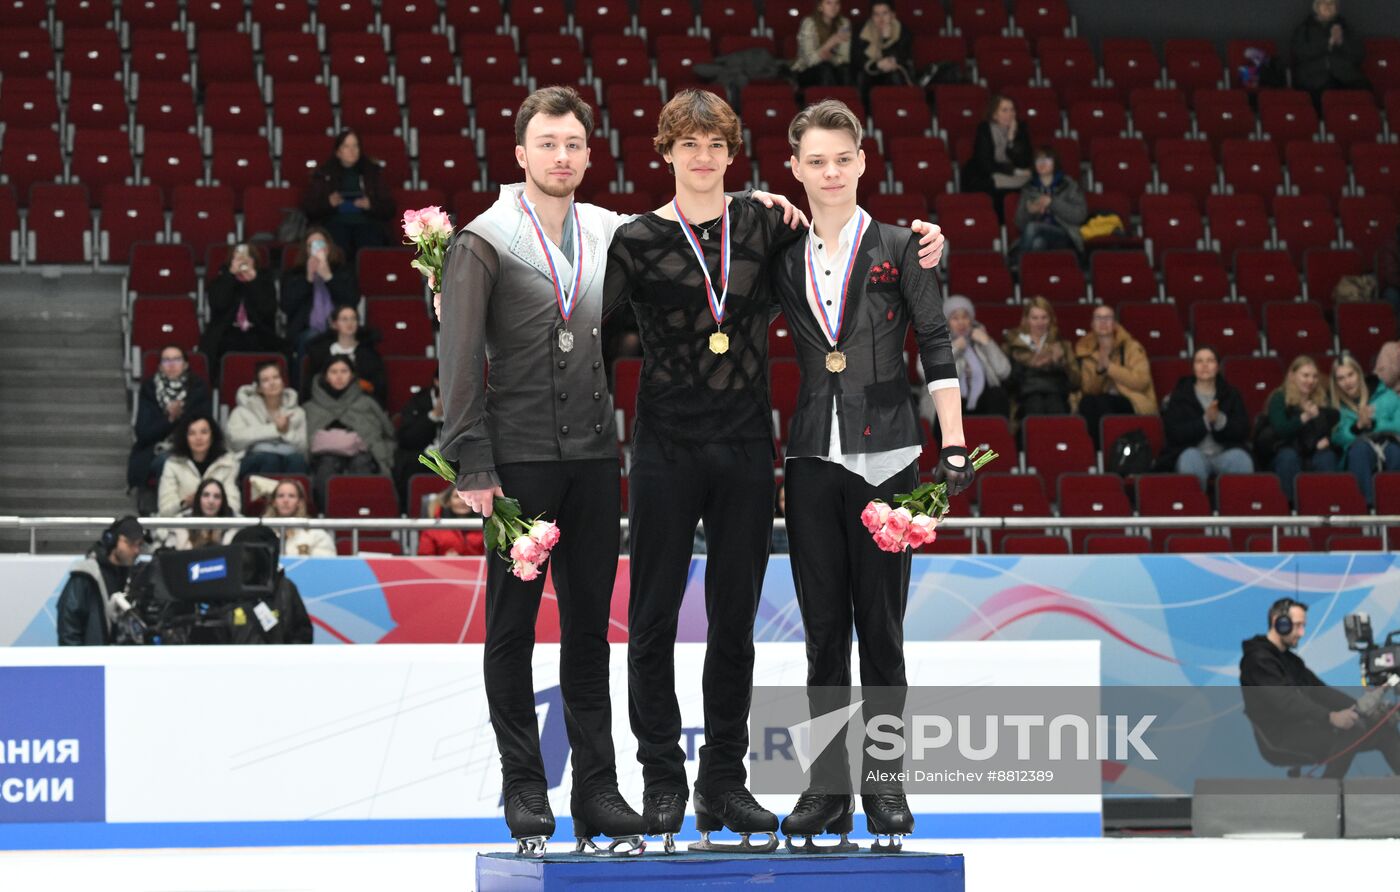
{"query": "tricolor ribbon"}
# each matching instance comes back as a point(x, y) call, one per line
point(716, 303)
point(833, 329)
point(566, 301)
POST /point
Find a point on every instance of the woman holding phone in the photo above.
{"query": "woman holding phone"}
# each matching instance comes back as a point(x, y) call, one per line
point(242, 309)
point(317, 286)
point(824, 48)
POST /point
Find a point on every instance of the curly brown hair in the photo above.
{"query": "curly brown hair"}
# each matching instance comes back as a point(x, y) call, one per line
point(697, 111)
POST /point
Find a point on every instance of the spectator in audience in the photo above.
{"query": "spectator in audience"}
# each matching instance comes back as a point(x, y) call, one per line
point(210, 501)
point(1300, 423)
point(450, 542)
point(167, 397)
point(1326, 53)
point(983, 369)
point(289, 500)
point(1206, 423)
point(1051, 211)
point(350, 434)
point(103, 571)
point(349, 198)
point(1387, 367)
point(1368, 423)
point(1043, 371)
point(242, 309)
point(347, 338)
point(420, 426)
point(883, 53)
point(1388, 272)
point(268, 426)
point(198, 454)
point(1001, 155)
point(320, 283)
point(1114, 375)
point(824, 47)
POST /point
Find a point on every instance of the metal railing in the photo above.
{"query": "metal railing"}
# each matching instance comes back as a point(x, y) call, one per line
point(1278, 523)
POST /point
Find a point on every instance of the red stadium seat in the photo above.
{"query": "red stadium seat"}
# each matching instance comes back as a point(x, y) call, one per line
point(959, 109)
point(96, 105)
point(438, 109)
point(1166, 373)
point(1255, 377)
point(1387, 484)
point(27, 53)
point(92, 52)
point(214, 16)
point(1303, 222)
point(899, 111)
point(1121, 276)
point(1192, 64)
point(1111, 427)
point(1376, 167)
point(371, 495)
point(661, 19)
point(403, 323)
point(1011, 495)
point(264, 208)
point(1160, 114)
point(234, 108)
point(1362, 329)
point(162, 270)
point(1351, 117)
point(201, 216)
point(998, 318)
point(28, 104)
point(1003, 61)
point(447, 162)
point(160, 56)
point(422, 58)
point(979, 18)
point(1192, 276)
point(1156, 326)
point(1058, 444)
point(157, 321)
point(1067, 63)
point(1172, 222)
point(992, 432)
point(1252, 167)
point(1316, 168)
point(1092, 495)
point(1368, 222)
point(129, 214)
point(1287, 115)
point(1186, 166)
point(922, 164)
point(1042, 18)
point(979, 275)
point(1324, 267)
point(1382, 63)
point(59, 224)
point(371, 110)
point(1130, 63)
point(386, 272)
point(492, 59)
point(1237, 221)
point(1054, 275)
point(357, 58)
point(280, 16)
point(421, 488)
point(241, 161)
point(728, 17)
point(767, 112)
point(166, 107)
point(1074, 320)
point(970, 215)
point(30, 156)
point(100, 158)
point(225, 56)
point(1296, 328)
point(1228, 327)
point(1331, 495)
point(408, 376)
point(1094, 120)
point(676, 55)
point(1249, 495)
point(556, 65)
point(1266, 275)
point(601, 20)
point(408, 16)
point(339, 16)
point(303, 108)
point(1223, 114)
point(1170, 495)
point(620, 60)
point(1121, 165)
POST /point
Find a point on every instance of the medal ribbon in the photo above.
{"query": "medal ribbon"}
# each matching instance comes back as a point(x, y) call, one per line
point(566, 301)
point(716, 303)
point(833, 330)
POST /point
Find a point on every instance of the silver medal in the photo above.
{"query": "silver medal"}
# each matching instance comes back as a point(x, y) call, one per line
point(566, 340)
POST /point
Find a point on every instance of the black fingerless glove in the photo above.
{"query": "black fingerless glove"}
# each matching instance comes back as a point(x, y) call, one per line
point(958, 477)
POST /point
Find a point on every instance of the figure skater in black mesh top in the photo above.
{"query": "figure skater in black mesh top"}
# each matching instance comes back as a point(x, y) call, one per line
point(697, 274)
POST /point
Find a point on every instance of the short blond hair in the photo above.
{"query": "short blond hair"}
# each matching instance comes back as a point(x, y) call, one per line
point(829, 114)
point(697, 111)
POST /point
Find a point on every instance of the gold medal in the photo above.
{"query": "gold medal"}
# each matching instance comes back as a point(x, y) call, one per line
point(719, 342)
point(835, 362)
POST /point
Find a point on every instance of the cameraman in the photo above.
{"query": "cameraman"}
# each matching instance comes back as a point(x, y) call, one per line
point(82, 606)
point(1293, 712)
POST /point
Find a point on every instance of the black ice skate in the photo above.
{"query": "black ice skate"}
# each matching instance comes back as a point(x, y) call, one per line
point(663, 812)
point(818, 813)
point(736, 810)
point(887, 815)
point(530, 821)
point(605, 813)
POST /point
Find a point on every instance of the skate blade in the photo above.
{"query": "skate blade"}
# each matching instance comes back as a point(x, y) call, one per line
point(531, 846)
point(894, 845)
point(620, 847)
point(742, 847)
point(809, 846)
point(668, 843)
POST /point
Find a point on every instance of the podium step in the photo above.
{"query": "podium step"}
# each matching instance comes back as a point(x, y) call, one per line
point(691, 870)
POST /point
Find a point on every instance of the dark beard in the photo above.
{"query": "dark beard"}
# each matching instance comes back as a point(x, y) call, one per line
point(552, 189)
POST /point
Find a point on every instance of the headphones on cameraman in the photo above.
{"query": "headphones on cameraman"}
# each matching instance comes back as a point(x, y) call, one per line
point(109, 535)
point(1283, 623)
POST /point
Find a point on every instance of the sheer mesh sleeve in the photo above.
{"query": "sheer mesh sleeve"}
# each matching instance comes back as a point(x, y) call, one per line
point(470, 271)
point(924, 297)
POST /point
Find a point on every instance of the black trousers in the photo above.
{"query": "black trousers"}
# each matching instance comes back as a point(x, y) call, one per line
point(582, 497)
point(1094, 406)
point(1320, 742)
point(673, 487)
point(843, 580)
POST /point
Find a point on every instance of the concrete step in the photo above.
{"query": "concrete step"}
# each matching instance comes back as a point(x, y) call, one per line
point(61, 438)
point(104, 476)
point(48, 339)
point(40, 502)
point(78, 418)
point(27, 357)
point(74, 542)
point(84, 454)
point(105, 397)
point(108, 374)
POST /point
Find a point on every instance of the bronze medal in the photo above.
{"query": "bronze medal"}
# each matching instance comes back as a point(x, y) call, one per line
point(835, 362)
point(719, 342)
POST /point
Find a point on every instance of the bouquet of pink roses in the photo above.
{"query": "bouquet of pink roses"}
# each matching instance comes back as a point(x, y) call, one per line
point(915, 520)
point(429, 230)
point(525, 542)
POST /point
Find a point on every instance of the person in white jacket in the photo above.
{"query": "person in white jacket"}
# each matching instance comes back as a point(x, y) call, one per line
point(289, 500)
point(268, 426)
point(199, 454)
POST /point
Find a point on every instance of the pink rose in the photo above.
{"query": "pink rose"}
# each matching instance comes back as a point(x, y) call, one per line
point(545, 533)
point(914, 536)
point(525, 571)
point(436, 221)
point(899, 521)
point(412, 225)
point(527, 550)
point(925, 523)
point(874, 515)
point(887, 541)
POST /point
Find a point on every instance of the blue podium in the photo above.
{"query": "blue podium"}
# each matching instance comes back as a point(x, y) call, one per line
point(777, 871)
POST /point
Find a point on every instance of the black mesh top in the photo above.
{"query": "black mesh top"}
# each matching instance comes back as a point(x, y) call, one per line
point(687, 393)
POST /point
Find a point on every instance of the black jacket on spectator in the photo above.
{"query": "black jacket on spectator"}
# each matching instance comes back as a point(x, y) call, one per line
point(368, 365)
point(902, 51)
point(977, 174)
point(1316, 66)
point(326, 179)
point(153, 426)
point(259, 297)
point(1185, 421)
point(297, 296)
point(1281, 692)
point(82, 617)
point(417, 431)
